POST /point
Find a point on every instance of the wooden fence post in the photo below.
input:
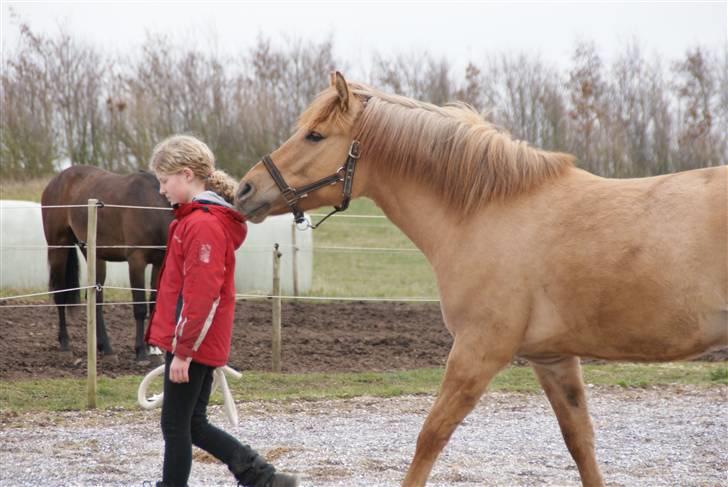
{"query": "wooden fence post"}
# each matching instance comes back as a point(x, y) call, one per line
point(294, 257)
point(91, 303)
point(276, 309)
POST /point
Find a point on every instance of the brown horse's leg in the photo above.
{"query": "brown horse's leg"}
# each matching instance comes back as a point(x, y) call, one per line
point(153, 285)
point(470, 367)
point(104, 344)
point(63, 270)
point(562, 382)
point(137, 264)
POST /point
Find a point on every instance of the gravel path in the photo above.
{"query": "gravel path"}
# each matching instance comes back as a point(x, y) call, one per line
point(666, 436)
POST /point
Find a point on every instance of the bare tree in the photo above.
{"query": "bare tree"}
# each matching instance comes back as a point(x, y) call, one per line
point(63, 99)
point(695, 89)
point(27, 137)
point(77, 75)
point(526, 98)
point(415, 74)
point(472, 90)
point(587, 89)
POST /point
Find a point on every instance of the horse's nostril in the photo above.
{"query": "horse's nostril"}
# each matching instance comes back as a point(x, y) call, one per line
point(245, 191)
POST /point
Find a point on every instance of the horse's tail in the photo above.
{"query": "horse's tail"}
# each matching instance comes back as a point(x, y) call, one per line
point(66, 279)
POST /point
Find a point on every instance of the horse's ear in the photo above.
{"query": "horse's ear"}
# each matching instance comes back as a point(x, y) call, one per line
point(337, 79)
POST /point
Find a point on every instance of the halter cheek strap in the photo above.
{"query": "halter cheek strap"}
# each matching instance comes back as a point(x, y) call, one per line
point(292, 195)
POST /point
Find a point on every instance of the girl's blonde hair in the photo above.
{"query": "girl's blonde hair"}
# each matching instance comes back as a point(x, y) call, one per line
point(184, 151)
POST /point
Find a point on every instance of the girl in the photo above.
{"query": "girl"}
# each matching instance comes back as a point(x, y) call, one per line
point(193, 317)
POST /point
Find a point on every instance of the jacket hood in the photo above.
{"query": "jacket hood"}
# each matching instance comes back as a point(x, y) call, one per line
point(232, 221)
point(211, 197)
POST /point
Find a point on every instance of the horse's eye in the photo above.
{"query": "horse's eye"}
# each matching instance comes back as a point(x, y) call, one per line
point(314, 136)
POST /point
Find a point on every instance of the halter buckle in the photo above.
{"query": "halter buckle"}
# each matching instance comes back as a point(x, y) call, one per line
point(354, 149)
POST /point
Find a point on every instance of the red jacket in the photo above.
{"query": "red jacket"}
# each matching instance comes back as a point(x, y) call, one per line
point(198, 272)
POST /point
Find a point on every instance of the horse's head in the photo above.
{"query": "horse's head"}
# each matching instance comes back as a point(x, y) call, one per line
point(309, 170)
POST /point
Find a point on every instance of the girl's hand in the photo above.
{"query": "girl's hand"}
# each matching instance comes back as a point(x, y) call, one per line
point(179, 370)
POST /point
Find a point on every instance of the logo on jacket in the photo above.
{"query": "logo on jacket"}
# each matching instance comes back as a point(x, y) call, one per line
point(205, 250)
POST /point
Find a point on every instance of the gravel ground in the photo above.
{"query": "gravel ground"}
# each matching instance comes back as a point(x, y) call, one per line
point(646, 437)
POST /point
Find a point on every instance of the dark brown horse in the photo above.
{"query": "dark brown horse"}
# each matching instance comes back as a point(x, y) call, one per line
point(125, 227)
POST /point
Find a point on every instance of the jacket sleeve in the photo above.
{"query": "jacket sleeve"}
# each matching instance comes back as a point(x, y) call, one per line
point(204, 247)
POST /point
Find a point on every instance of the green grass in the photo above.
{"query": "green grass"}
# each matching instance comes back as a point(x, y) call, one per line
point(69, 394)
point(719, 375)
point(368, 274)
point(29, 190)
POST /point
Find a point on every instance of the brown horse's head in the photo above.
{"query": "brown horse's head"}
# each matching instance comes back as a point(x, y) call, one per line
point(317, 149)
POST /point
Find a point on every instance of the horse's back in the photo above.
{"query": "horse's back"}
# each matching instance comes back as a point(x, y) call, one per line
point(63, 189)
point(116, 226)
point(671, 223)
point(632, 269)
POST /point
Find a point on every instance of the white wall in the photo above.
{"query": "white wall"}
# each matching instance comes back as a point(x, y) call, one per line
point(254, 269)
point(27, 267)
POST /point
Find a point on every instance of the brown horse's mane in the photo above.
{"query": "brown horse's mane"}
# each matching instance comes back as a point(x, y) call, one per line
point(452, 149)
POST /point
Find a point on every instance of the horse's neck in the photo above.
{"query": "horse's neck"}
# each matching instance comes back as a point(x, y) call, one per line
point(417, 212)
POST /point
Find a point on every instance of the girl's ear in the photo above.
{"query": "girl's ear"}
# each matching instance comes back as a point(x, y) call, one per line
point(189, 175)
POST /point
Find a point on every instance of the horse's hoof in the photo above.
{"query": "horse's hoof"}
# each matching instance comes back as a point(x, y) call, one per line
point(155, 360)
point(111, 358)
point(66, 356)
point(148, 360)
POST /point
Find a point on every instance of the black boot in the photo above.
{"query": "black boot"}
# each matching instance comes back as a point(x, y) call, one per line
point(250, 469)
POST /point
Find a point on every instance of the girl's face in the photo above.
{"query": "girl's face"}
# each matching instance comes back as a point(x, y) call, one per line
point(177, 187)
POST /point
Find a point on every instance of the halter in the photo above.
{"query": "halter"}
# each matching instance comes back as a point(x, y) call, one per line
point(291, 195)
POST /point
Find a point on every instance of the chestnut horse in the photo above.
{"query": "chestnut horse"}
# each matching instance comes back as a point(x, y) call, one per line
point(133, 230)
point(533, 257)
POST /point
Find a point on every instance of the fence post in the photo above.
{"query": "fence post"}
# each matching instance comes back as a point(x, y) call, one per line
point(276, 309)
point(294, 258)
point(91, 303)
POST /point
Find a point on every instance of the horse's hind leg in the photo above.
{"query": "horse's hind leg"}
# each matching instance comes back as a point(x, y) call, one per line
point(470, 367)
point(156, 267)
point(104, 344)
point(137, 265)
point(562, 382)
point(57, 262)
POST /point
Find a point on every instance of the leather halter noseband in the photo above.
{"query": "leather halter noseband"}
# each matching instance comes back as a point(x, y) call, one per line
point(292, 195)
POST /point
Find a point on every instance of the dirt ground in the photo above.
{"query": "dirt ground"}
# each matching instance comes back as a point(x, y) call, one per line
point(350, 336)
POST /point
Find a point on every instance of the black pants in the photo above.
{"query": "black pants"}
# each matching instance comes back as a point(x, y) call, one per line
point(184, 423)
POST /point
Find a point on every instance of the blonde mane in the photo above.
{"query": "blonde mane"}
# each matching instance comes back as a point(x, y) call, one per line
point(452, 149)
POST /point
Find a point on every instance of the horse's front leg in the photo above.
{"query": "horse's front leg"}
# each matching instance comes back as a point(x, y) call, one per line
point(104, 343)
point(475, 358)
point(561, 380)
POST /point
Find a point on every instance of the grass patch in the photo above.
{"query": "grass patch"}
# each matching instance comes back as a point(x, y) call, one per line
point(719, 375)
point(70, 394)
point(368, 274)
point(26, 190)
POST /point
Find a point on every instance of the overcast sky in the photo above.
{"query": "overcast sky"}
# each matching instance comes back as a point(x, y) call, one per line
point(458, 31)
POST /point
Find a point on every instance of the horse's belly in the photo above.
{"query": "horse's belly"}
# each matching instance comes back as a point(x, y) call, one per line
point(667, 336)
point(111, 256)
